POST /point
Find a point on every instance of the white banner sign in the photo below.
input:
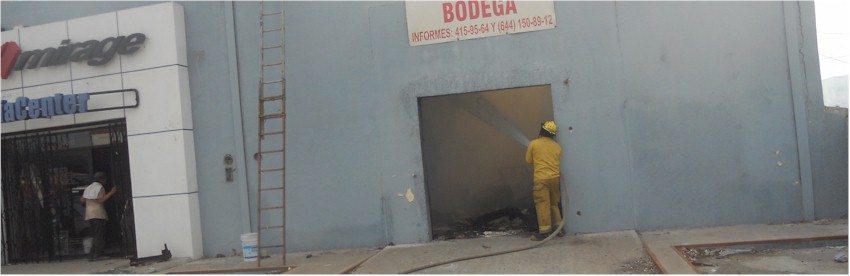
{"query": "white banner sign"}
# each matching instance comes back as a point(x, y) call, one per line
point(430, 22)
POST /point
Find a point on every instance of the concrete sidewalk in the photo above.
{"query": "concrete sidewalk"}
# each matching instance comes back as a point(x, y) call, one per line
point(607, 253)
point(621, 252)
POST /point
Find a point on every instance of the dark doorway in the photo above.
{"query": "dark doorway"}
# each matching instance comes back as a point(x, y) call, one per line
point(473, 148)
point(43, 176)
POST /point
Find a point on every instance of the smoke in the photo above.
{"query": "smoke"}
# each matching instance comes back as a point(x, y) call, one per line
point(482, 109)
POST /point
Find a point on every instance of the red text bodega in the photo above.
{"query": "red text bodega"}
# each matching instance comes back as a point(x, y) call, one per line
point(468, 10)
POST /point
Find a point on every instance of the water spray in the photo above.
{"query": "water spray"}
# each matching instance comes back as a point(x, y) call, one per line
point(485, 111)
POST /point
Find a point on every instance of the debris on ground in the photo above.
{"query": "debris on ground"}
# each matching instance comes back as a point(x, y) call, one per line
point(726, 253)
point(488, 234)
point(502, 222)
point(692, 254)
point(841, 257)
point(166, 255)
point(643, 265)
point(117, 271)
point(696, 263)
point(822, 222)
point(771, 258)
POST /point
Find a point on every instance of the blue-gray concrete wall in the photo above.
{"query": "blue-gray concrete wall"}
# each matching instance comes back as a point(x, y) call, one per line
point(684, 113)
point(708, 112)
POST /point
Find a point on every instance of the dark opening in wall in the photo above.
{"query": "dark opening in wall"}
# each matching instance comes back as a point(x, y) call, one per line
point(44, 175)
point(473, 146)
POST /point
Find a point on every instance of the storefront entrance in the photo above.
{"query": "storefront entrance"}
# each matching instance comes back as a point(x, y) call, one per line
point(43, 176)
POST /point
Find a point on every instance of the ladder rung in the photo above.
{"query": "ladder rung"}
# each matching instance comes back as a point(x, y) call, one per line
point(269, 208)
point(273, 64)
point(272, 47)
point(272, 133)
point(273, 82)
point(267, 246)
point(271, 151)
point(269, 189)
point(270, 116)
point(271, 227)
point(271, 170)
point(272, 30)
point(272, 98)
point(274, 13)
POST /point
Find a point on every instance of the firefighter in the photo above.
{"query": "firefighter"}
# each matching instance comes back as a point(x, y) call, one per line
point(545, 154)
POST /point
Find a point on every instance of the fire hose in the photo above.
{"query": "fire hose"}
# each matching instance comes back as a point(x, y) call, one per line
point(488, 254)
point(558, 230)
point(553, 234)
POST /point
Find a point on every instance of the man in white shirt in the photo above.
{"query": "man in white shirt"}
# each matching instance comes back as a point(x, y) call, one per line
point(94, 197)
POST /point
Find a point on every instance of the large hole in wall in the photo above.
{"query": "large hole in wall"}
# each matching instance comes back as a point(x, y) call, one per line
point(473, 146)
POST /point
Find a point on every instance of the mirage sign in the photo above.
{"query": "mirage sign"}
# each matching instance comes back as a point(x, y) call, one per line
point(93, 52)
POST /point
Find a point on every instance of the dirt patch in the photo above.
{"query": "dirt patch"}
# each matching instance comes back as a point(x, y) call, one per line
point(810, 257)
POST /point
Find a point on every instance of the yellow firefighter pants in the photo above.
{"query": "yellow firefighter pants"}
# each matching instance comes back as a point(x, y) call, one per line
point(547, 195)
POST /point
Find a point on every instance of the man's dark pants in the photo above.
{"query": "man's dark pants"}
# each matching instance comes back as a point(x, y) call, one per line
point(98, 227)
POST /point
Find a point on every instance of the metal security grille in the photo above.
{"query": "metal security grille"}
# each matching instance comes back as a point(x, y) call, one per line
point(41, 214)
point(119, 173)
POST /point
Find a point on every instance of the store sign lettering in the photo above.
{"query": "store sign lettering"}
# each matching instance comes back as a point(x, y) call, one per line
point(93, 52)
point(25, 108)
point(10, 53)
point(461, 10)
point(430, 22)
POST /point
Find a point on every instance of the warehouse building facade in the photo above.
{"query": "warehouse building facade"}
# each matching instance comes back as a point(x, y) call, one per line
point(404, 118)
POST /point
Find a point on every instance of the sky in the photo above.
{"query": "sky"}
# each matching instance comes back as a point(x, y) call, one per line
point(833, 29)
point(832, 19)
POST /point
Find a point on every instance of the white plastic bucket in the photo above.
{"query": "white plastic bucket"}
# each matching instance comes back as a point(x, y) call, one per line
point(249, 247)
point(87, 243)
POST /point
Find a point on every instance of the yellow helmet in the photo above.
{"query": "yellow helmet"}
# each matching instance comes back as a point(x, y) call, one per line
point(551, 127)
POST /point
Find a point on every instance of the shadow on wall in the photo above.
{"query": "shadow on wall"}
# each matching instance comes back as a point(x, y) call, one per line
point(473, 145)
